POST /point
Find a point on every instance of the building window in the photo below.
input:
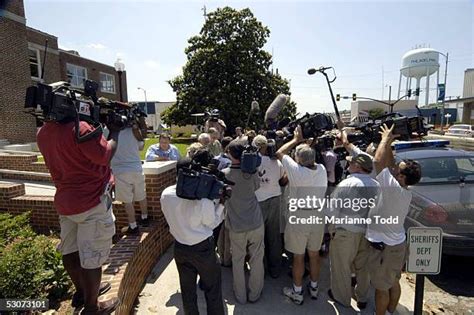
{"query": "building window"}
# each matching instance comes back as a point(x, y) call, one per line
point(107, 83)
point(35, 67)
point(76, 75)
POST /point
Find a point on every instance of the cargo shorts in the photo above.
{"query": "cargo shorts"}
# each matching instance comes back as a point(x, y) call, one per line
point(89, 233)
point(386, 265)
point(130, 187)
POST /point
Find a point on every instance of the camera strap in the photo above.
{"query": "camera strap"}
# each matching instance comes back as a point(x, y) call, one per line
point(97, 132)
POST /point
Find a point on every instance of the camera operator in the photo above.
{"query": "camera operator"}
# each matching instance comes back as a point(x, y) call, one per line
point(215, 122)
point(192, 223)
point(306, 180)
point(246, 230)
point(163, 151)
point(129, 178)
point(388, 241)
point(271, 174)
point(348, 246)
point(82, 176)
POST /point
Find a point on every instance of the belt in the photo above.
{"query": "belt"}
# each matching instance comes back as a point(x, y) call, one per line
point(209, 240)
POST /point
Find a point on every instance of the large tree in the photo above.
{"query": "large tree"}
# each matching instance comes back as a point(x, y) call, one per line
point(227, 69)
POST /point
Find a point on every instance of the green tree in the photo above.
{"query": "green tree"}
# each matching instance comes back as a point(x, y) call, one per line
point(227, 69)
point(376, 112)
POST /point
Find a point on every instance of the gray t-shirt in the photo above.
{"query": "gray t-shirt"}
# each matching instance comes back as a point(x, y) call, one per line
point(243, 210)
point(127, 157)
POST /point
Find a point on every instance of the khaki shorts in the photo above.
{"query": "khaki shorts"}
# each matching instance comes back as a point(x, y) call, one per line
point(298, 238)
point(130, 187)
point(386, 266)
point(90, 233)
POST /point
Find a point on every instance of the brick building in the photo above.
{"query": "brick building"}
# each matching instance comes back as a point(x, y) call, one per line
point(21, 60)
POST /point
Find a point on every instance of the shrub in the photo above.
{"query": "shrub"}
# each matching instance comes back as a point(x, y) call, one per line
point(30, 266)
point(12, 227)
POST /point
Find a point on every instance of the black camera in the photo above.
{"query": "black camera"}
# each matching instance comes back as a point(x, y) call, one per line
point(312, 125)
point(250, 159)
point(198, 182)
point(61, 103)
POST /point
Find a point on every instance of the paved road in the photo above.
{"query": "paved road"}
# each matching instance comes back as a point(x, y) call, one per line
point(161, 295)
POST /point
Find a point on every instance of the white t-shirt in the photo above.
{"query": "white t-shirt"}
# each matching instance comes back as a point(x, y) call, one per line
point(303, 181)
point(270, 172)
point(395, 203)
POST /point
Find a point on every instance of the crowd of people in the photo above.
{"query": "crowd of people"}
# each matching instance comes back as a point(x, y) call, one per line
point(253, 228)
point(250, 230)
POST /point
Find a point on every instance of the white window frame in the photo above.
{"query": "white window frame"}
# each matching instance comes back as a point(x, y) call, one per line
point(113, 80)
point(81, 86)
point(38, 57)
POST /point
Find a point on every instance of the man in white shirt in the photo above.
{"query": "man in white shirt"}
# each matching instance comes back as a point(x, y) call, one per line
point(388, 241)
point(271, 173)
point(306, 180)
point(191, 223)
point(348, 246)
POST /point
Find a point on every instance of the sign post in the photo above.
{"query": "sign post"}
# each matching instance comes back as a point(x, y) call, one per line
point(425, 247)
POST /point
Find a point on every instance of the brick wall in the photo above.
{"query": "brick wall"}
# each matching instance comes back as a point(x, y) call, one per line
point(14, 77)
point(93, 73)
point(22, 163)
point(37, 39)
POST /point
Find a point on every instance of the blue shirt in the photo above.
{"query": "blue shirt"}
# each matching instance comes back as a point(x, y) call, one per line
point(127, 157)
point(155, 151)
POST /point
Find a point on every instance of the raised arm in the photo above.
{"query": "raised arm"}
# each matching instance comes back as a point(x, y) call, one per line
point(286, 148)
point(384, 155)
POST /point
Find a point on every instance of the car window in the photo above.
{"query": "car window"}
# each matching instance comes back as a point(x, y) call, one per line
point(446, 169)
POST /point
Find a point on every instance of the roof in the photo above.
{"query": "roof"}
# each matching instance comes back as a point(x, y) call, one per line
point(461, 100)
point(423, 153)
point(40, 32)
point(80, 57)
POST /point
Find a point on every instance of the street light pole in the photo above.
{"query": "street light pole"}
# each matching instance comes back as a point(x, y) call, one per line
point(445, 77)
point(146, 102)
point(120, 67)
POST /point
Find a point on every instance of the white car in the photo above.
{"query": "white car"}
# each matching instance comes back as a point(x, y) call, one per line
point(460, 130)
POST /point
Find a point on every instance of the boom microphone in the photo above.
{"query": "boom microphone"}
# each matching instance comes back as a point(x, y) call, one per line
point(321, 69)
point(274, 109)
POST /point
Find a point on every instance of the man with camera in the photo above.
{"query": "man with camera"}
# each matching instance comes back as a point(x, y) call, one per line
point(127, 169)
point(348, 245)
point(245, 222)
point(81, 173)
point(388, 250)
point(215, 122)
point(354, 150)
point(192, 223)
point(271, 175)
point(306, 180)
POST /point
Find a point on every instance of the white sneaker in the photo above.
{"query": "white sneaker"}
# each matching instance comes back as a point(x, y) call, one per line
point(297, 298)
point(313, 292)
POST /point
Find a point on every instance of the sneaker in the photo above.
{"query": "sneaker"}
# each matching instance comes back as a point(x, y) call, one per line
point(297, 298)
point(313, 292)
point(103, 308)
point(145, 222)
point(129, 231)
point(78, 297)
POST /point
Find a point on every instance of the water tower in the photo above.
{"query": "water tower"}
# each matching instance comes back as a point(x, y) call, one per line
point(417, 64)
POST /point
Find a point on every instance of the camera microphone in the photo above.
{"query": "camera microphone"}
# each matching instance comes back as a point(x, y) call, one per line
point(321, 69)
point(275, 107)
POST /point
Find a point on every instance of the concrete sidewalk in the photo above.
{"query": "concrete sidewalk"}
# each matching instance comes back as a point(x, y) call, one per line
point(161, 295)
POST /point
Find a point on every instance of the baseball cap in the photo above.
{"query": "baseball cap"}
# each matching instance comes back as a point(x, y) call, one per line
point(364, 160)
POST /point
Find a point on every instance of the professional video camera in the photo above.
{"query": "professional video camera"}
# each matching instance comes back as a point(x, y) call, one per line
point(59, 102)
point(312, 125)
point(250, 159)
point(405, 127)
point(213, 115)
point(197, 182)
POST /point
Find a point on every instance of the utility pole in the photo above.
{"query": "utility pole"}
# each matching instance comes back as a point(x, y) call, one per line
point(445, 77)
point(205, 11)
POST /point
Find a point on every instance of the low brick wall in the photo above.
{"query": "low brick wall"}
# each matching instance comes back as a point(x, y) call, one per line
point(22, 162)
point(130, 262)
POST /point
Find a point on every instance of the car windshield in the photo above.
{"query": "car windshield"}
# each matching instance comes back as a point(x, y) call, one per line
point(446, 169)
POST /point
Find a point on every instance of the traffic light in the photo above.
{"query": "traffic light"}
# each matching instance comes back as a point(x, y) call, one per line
point(338, 97)
point(417, 92)
point(354, 96)
point(409, 93)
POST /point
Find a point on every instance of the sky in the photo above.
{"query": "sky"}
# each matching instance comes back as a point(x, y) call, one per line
point(364, 41)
